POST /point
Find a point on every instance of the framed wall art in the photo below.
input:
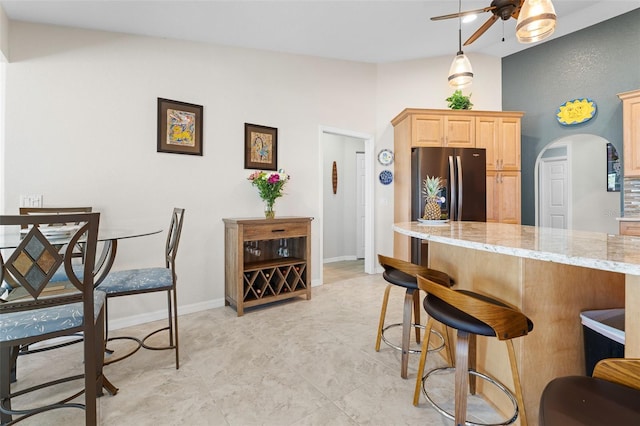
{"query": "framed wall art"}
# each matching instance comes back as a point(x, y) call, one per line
point(179, 127)
point(260, 147)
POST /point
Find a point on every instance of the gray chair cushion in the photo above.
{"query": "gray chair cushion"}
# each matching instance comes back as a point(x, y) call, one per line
point(38, 322)
point(137, 280)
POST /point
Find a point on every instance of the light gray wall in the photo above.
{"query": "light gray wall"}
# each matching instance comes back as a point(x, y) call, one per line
point(339, 233)
point(597, 62)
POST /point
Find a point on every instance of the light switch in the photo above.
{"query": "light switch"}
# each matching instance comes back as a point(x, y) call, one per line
point(31, 200)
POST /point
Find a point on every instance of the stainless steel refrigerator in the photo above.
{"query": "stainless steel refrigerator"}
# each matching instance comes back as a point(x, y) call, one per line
point(464, 193)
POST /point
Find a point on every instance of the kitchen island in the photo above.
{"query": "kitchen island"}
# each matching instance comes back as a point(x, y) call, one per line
point(551, 275)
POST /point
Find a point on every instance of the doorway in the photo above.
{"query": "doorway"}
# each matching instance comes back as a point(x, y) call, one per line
point(589, 204)
point(339, 225)
point(554, 188)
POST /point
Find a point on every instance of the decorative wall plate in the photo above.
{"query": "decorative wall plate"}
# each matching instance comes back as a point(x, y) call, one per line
point(386, 177)
point(385, 157)
point(576, 111)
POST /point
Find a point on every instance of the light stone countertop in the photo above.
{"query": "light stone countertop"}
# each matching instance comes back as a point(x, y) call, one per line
point(595, 250)
point(628, 219)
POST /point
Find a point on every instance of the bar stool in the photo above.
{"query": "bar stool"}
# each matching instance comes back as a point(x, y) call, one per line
point(403, 274)
point(471, 314)
point(610, 397)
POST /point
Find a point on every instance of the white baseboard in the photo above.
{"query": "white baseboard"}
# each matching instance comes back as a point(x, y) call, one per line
point(339, 259)
point(162, 314)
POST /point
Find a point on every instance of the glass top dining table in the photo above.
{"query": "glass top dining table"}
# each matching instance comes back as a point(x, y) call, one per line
point(107, 235)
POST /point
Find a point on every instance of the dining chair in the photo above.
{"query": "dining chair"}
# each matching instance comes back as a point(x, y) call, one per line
point(36, 310)
point(79, 249)
point(609, 397)
point(149, 280)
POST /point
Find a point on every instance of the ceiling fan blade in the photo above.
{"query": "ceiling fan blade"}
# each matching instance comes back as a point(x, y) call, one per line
point(465, 13)
point(516, 12)
point(482, 29)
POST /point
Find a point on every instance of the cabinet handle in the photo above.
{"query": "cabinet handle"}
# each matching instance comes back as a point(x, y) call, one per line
point(278, 230)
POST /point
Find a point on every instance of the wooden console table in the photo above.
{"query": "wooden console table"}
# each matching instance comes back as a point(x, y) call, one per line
point(266, 260)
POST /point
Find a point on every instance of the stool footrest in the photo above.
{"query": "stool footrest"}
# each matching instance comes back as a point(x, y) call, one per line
point(412, 351)
point(483, 376)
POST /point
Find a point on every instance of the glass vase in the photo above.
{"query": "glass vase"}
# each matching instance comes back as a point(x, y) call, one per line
point(269, 213)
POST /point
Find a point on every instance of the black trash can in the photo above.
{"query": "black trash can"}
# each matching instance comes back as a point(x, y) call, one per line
point(603, 336)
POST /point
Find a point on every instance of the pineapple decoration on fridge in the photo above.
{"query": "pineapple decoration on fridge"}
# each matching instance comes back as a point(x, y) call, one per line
point(431, 189)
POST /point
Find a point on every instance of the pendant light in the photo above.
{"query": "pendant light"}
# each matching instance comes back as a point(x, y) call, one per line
point(460, 72)
point(536, 21)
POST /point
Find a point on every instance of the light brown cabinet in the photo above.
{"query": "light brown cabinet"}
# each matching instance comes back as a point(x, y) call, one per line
point(631, 132)
point(497, 131)
point(630, 227)
point(500, 136)
point(456, 131)
point(266, 260)
point(503, 196)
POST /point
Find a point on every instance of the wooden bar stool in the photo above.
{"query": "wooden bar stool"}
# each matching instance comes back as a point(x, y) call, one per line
point(471, 314)
point(403, 274)
point(610, 397)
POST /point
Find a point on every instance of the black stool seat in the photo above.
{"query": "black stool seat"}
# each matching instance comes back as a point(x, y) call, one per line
point(402, 274)
point(581, 400)
point(399, 278)
point(455, 318)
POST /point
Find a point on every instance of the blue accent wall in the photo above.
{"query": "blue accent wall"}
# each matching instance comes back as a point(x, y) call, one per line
point(597, 62)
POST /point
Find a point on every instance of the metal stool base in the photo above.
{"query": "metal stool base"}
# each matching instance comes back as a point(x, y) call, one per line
point(412, 351)
point(482, 376)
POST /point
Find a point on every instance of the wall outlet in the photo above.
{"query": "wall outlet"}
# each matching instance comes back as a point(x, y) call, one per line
point(31, 200)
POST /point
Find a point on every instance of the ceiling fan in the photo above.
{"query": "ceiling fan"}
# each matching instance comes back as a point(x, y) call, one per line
point(500, 9)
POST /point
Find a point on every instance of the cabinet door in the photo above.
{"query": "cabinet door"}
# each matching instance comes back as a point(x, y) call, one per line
point(460, 132)
point(487, 137)
point(631, 135)
point(493, 206)
point(503, 197)
point(509, 199)
point(427, 130)
point(509, 138)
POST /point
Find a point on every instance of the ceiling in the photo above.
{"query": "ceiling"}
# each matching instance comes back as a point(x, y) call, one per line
point(375, 31)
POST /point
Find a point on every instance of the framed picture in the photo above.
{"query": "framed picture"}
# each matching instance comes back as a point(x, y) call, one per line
point(260, 147)
point(179, 127)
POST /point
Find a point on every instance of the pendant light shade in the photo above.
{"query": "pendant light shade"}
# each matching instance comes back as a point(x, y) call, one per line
point(460, 73)
point(536, 21)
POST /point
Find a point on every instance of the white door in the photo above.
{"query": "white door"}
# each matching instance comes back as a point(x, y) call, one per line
point(360, 204)
point(554, 187)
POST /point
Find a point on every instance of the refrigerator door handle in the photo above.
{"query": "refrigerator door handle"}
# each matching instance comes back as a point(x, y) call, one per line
point(460, 198)
point(453, 197)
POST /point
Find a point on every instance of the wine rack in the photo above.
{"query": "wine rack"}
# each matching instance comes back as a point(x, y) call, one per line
point(266, 260)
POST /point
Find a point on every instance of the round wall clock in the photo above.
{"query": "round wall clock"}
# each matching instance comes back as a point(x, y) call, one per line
point(385, 157)
point(386, 177)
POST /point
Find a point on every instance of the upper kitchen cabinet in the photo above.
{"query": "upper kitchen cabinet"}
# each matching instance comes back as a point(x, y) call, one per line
point(500, 136)
point(631, 132)
point(496, 131)
point(427, 127)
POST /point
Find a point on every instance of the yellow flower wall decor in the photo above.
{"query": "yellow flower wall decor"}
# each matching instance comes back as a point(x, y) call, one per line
point(576, 111)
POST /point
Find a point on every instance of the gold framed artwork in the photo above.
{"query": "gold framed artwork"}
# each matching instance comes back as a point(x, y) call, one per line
point(260, 147)
point(179, 127)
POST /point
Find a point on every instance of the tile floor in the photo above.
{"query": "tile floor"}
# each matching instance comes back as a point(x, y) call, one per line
point(293, 363)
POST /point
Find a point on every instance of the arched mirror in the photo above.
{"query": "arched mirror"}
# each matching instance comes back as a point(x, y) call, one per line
point(575, 184)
